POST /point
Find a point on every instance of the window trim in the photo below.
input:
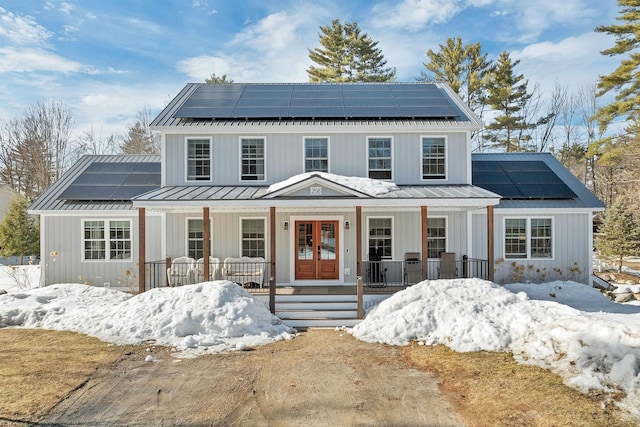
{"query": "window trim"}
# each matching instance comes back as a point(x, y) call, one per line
point(304, 152)
point(369, 218)
point(391, 149)
point(446, 232)
point(264, 158)
point(446, 157)
point(266, 234)
point(186, 234)
point(186, 158)
point(528, 237)
point(107, 240)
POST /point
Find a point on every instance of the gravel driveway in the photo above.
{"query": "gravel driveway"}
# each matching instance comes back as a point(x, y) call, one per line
point(321, 378)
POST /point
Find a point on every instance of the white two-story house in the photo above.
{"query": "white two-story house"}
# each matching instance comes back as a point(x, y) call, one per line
point(317, 184)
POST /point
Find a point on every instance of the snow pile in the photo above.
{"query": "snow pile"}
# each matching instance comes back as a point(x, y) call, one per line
point(591, 350)
point(210, 316)
point(372, 187)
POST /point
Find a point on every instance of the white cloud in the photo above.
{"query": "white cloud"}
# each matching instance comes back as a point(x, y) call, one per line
point(414, 14)
point(66, 8)
point(572, 61)
point(22, 30)
point(90, 15)
point(26, 60)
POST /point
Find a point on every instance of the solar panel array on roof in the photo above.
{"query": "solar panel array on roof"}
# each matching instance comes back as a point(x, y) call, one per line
point(261, 101)
point(520, 180)
point(113, 181)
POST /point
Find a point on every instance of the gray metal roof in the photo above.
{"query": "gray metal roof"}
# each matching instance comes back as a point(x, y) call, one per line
point(186, 193)
point(50, 200)
point(168, 117)
point(584, 197)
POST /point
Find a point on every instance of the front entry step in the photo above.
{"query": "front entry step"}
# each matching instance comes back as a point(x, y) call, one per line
point(322, 311)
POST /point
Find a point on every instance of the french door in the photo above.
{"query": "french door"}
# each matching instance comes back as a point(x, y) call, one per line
point(317, 249)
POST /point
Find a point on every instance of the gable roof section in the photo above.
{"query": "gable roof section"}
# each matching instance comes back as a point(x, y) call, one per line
point(531, 180)
point(70, 193)
point(248, 104)
point(348, 186)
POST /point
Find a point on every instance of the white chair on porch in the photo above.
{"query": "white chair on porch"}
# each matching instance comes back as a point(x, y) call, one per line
point(181, 271)
point(214, 267)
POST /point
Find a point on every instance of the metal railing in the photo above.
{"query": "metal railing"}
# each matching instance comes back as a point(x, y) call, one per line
point(253, 275)
point(385, 275)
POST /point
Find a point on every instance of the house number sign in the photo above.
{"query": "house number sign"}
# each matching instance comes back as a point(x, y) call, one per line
point(315, 191)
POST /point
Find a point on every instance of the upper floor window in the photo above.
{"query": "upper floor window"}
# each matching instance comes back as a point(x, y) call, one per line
point(528, 238)
point(436, 237)
point(316, 155)
point(107, 240)
point(433, 158)
point(253, 237)
point(198, 159)
point(252, 159)
point(379, 158)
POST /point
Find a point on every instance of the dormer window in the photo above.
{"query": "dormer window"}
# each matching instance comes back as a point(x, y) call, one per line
point(433, 158)
point(379, 154)
point(198, 159)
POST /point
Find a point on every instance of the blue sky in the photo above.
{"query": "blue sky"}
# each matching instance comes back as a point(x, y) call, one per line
point(109, 59)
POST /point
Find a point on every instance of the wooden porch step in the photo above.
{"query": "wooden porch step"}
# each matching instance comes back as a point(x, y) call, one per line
point(314, 313)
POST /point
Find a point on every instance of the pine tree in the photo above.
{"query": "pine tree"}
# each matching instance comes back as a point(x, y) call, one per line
point(624, 80)
point(463, 67)
point(347, 55)
point(140, 140)
point(507, 95)
point(218, 80)
point(620, 234)
point(19, 234)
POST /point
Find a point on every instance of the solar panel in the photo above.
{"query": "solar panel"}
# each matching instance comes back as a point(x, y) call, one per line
point(520, 180)
point(113, 181)
point(264, 101)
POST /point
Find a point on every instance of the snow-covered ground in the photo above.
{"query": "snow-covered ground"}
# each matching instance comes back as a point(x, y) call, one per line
point(567, 327)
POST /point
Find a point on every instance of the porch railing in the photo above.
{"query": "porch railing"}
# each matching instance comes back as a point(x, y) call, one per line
point(391, 273)
point(252, 275)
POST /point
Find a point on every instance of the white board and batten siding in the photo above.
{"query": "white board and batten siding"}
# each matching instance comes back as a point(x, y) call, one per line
point(62, 251)
point(284, 157)
point(570, 245)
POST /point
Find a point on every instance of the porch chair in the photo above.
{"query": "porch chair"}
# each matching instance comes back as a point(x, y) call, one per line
point(181, 271)
point(214, 267)
point(376, 272)
point(412, 268)
point(248, 272)
point(447, 268)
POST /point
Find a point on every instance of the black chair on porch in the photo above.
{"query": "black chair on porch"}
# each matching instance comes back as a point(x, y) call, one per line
point(376, 273)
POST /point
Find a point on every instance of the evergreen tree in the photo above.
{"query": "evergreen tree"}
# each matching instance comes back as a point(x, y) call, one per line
point(347, 55)
point(463, 67)
point(619, 234)
point(139, 140)
point(19, 234)
point(624, 80)
point(507, 95)
point(218, 80)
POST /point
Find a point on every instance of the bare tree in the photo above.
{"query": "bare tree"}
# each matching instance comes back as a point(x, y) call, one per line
point(35, 147)
point(92, 143)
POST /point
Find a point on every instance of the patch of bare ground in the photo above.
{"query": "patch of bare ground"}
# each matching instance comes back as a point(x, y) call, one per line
point(38, 368)
point(492, 389)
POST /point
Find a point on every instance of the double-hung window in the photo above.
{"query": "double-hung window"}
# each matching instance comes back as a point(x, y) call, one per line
point(252, 153)
point(380, 238)
point(528, 238)
point(198, 159)
point(106, 240)
point(316, 155)
point(379, 157)
point(433, 158)
point(436, 237)
point(195, 238)
point(253, 237)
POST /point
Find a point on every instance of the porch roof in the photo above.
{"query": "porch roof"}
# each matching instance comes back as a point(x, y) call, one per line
point(258, 196)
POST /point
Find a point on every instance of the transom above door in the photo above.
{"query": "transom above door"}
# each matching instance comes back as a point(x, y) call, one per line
point(317, 249)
